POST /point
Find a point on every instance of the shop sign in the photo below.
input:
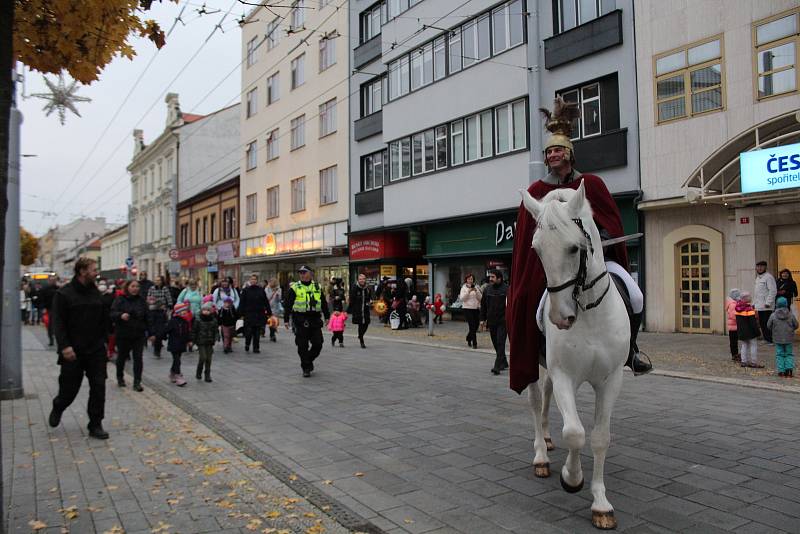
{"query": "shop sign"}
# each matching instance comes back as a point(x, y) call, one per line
point(211, 254)
point(269, 244)
point(225, 252)
point(771, 169)
point(366, 247)
point(214, 268)
point(504, 232)
point(414, 240)
point(389, 270)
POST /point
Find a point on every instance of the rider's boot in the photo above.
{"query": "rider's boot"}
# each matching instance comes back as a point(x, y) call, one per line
point(638, 366)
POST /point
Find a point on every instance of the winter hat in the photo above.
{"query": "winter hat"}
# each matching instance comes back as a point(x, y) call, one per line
point(781, 302)
point(734, 294)
point(744, 295)
point(227, 299)
point(181, 307)
point(102, 288)
point(208, 298)
point(208, 306)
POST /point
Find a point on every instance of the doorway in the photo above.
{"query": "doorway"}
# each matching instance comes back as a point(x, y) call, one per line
point(789, 258)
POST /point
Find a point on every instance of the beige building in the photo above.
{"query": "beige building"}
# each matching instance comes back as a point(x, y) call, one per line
point(716, 79)
point(294, 128)
point(113, 252)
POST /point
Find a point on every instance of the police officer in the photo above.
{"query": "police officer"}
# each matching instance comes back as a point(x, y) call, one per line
point(306, 306)
point(81, 324)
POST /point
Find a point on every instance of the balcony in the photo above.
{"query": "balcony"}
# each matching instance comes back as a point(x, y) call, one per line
point(369, 201)
point(366, 52)
point(604, 151)
point(584, 40)
point(368, 126)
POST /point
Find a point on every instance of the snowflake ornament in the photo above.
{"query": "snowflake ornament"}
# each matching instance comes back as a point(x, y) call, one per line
point(61, 97)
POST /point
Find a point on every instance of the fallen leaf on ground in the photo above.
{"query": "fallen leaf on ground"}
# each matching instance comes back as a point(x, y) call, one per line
point(408, 521)
point(292, 477)
point(176, 461)
point(69, 513)
point(359, 474)
point(93, 509)
point(210, 470)
point(173, 502)
point(316, 529)
point(37, 525)
point(35, 454)
point(53, 490)
point(326, 508)
point(112, 488)
point(253, 465)
point(162, 527)
point(123, 470)
point(310, 514)
point(116, 529)
point(327, 482)
point(253, 524)
point(274, 514)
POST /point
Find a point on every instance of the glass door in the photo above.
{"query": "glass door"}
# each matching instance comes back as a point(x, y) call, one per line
point(789, 258)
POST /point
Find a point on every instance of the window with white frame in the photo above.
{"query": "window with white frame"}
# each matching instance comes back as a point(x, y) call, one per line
point(441, 146)
point(457, 142)
point(327, 118)
point(251, 211)
point(400, 159)
point(776, 43)
point(298, 132)
point(274, 88)
point(440, 58)
point(327, 186)
point(272, 144)
point(475, 37)
point(273, 199)
point(422, 66)
point(327, 53)
point(587, 99)
point(298, 71)
point(571, 13)
point(273, 33)
point(507, 26)
point(423, 152)
point(510, 127)
point(370, 21)
point(454, 50)
point(252, 102)
point(298, 194)
point(399, 77)
point(689, 81)
point(252, 155)
point(298, 15)
point(252, 48)
point(374, 170)
point(372, 96)
point(479, 135)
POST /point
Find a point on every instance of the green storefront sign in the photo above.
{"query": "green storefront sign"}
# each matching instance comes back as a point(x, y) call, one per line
point(482, 236)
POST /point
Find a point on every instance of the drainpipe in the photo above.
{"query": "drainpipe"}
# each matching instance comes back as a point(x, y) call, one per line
point(536, 167)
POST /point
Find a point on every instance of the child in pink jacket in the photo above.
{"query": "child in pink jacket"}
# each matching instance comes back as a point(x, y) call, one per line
point(733, 335)
point(336, 325)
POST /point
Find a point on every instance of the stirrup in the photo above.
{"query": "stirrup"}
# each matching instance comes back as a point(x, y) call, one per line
point(646, 366)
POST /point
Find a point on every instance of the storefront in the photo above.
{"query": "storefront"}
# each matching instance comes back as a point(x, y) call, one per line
point(209, 263)
point(396, 255)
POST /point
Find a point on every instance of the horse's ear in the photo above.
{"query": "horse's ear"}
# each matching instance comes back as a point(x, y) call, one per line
point(531, 204)
point(575, 204)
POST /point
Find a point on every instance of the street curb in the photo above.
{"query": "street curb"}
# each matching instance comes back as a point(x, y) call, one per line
point(423, 344)
point(338, 511)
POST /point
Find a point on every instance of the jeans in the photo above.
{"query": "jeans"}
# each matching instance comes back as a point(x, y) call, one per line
point(127, 348)
point(498, 334)
point(749, 352)
point(69, 383)
point(784, 358)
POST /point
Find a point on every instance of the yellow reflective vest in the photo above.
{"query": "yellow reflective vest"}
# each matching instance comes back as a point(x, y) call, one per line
point(307, 297)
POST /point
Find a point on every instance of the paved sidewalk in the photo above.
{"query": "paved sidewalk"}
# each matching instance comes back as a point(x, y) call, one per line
point(160, 472)
point(425, 440)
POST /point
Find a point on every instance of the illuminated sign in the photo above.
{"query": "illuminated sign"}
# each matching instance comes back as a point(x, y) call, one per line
point(270, 246)
point(771, 169)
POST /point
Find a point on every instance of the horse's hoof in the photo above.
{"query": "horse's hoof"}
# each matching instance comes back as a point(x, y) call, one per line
point(549, 443)
point(541, 470)
point(604, 520)
point(571, 489)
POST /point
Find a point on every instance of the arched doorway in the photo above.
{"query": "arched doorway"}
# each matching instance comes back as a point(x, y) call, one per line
point(694, 283)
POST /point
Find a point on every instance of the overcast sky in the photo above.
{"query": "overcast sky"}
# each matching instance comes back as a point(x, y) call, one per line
point(55, 188)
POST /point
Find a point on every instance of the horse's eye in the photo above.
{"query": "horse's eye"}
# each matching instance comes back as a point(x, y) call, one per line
point(573, 249)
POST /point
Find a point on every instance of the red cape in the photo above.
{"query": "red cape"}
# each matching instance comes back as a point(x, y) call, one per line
point(528, 280)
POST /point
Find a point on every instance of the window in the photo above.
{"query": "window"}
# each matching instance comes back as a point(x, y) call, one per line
point(372, 96)
point(327, 118)
point(441, 147)
point(272, 144)
point(196, 231)
point(476, 40)
point(327, 53)
point(479, 136)
point(507, 24)
point(572, 13)
point(298, 132)
point(184, 235)
point(373, 170)
point(298, 194)
point(229, 223)
point(213, 224)
point(395, 7)
point(205, 229)
point(252, 102)
point(298, 15)
point(776, 43)
point(398, 78)
point(457, 142)
point(370, 23)
point(588, 100)
point(273, 34)
point(400, 159)
point(439, 58)
point(273, 88)
point(423, 152)
point(422, 66)
point(327, 186)
point(252, 213)
point(273, 202)
point(689, 81)
point(298, 71)
point(252, 155)
point(252, 48)
point(455, 53)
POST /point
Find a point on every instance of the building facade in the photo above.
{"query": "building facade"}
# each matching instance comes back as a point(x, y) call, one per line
point(294, 140)
point(56, 244)
point(113, 252)
point(711, 96)
point(151, 215)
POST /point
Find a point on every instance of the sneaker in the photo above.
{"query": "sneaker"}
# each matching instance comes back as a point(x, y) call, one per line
point(97, 432)
point(306, 374)
point(341, 344)
point(180, 381)
point(172, 377)
point(54, 419)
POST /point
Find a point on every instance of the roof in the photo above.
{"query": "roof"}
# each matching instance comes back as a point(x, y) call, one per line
point(191, 117)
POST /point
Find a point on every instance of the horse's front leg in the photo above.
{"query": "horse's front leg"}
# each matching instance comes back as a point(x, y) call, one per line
point(547, 387)
point(541, 463)
point(573, 432)
point(605, 396)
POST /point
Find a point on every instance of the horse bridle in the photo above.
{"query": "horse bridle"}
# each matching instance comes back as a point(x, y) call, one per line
point(579, 282)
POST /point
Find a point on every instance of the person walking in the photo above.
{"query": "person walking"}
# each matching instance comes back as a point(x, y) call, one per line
point(337, 294)
point(25, 303)
point(80, 325)
point(129, 315)
point(493, 316)
point(178, 333)
point(107, 296)
point(254, 308)
point(156, 323)
point(782, 323)
point(192, 294)
point(275, 299)
point(225, 290)
point(305, 306)
point(470, 297)
point(747, 331)
point(227, 316)
point(764, 295)
point(144, 284)
point(205, 333)
point(730, 312)
point(46, 297)
point(337, 325)
point(361, 296)
point(163, 301)
point(36, 309)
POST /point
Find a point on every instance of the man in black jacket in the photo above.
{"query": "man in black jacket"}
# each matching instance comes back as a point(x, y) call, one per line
point(254, 309)
point(360, 303)
point(493, 315)
point(80, 323)
point(46, 304)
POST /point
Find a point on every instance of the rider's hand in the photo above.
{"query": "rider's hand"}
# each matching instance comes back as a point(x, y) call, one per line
point(125, 316)
point(68, 354)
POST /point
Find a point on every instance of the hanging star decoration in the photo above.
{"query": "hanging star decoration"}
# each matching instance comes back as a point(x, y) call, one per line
point(61, 98)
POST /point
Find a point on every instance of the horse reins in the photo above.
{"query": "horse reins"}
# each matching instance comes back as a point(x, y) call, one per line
point(579, 282)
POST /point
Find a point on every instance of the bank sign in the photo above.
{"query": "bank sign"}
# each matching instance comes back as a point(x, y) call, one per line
point(771, 169)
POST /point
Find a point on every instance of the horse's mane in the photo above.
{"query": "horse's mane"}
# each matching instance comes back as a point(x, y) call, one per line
point(556, 218)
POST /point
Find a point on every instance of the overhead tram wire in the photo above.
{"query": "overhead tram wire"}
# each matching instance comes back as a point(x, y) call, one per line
point(185, 66)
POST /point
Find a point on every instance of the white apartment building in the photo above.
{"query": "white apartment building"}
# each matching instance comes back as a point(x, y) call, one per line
point(151, 219)
point(113, 252)
point(717, 85)
point(55, 245)
point(294, 128)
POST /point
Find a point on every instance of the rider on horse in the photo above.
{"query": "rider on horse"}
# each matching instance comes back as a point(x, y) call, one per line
point(528, 281)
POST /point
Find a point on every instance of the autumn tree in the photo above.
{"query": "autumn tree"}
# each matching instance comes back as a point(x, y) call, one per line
point(28, 247)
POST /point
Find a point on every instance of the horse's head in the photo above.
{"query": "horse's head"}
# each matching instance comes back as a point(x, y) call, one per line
point(563, 240)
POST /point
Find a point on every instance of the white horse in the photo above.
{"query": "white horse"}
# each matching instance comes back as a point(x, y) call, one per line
point(587, 334)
